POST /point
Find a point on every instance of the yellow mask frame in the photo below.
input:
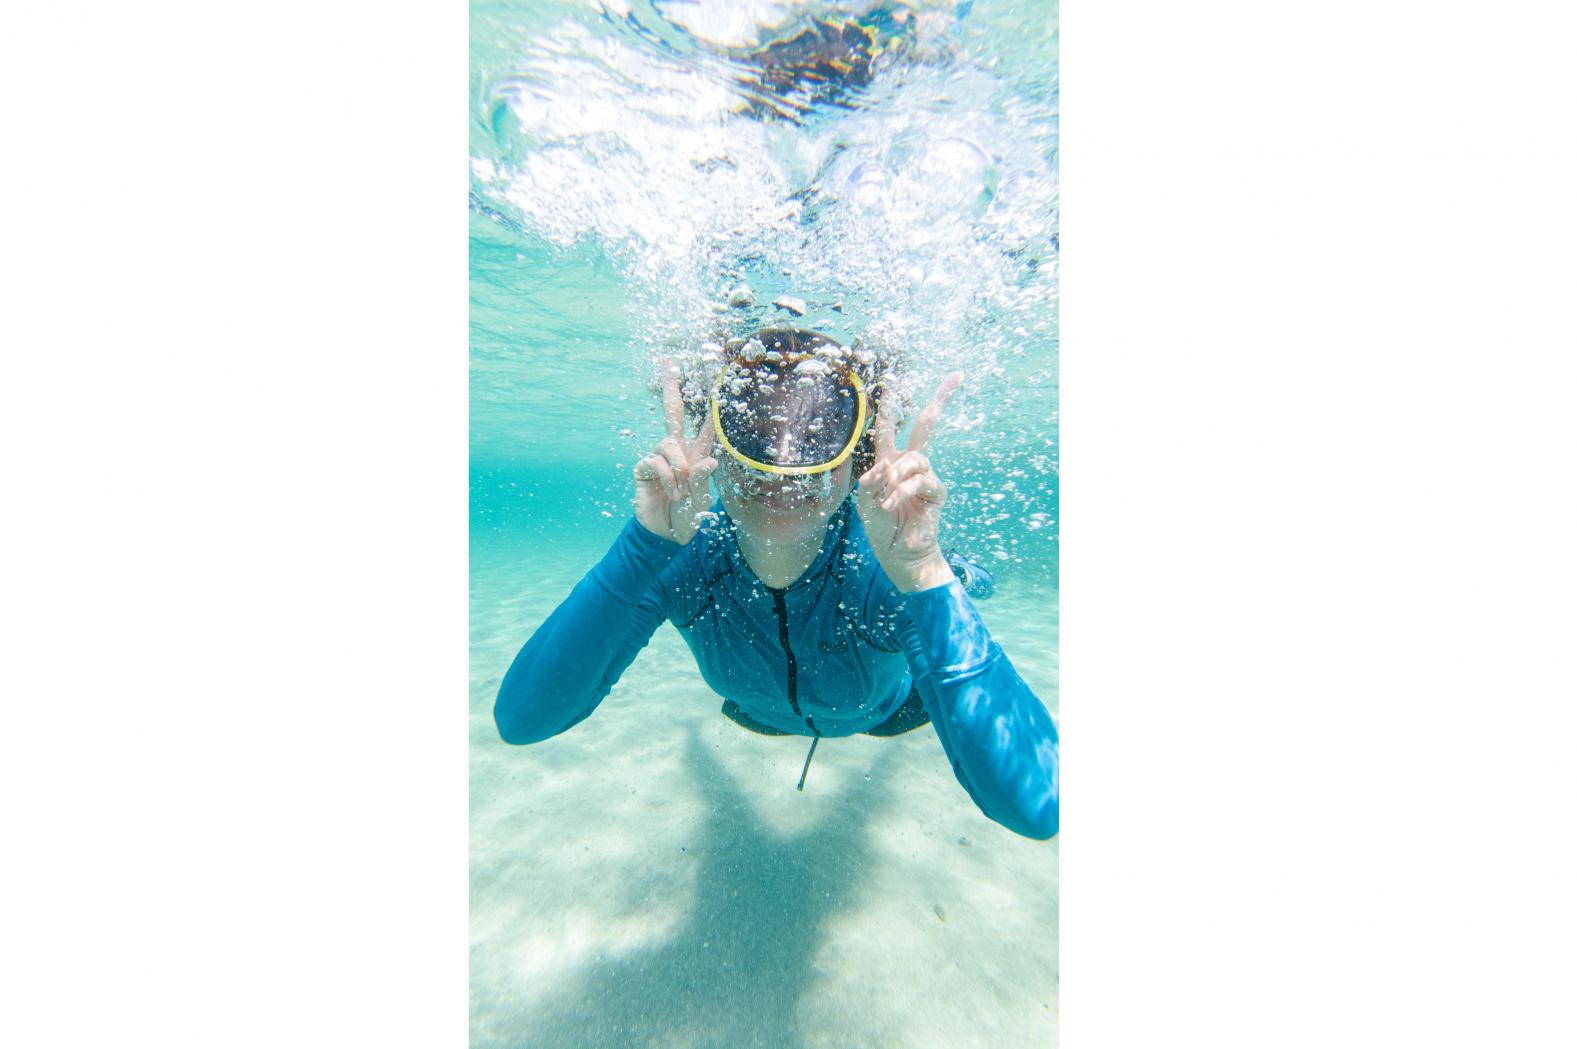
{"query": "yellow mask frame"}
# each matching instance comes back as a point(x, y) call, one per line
point(860, 414)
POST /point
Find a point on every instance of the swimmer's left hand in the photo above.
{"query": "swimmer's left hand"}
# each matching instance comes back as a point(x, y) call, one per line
point(900, 499)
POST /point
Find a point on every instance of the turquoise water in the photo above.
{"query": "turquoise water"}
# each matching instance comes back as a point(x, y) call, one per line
point(651, 877)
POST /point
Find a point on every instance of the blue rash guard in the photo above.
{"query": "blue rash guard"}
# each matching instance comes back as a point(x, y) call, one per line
point(833, 654)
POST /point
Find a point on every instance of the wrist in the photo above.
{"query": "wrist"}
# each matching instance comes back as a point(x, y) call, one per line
point(931, 571)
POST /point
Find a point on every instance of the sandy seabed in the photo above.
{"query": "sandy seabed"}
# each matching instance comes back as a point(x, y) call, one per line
point(651, 877)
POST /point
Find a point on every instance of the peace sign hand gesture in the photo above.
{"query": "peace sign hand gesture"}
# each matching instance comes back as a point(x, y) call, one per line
point(671, 491)
point(900, 499)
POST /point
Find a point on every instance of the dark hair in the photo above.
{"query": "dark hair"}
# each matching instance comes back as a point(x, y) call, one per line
point(794, 341)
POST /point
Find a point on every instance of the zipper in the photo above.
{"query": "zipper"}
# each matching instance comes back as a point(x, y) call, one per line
point(781, 608)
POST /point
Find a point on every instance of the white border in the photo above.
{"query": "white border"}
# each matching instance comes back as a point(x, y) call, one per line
point(1318, 505)
point(233, 408)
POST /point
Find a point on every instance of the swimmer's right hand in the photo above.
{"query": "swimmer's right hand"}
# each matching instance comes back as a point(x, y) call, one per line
point(671, 490)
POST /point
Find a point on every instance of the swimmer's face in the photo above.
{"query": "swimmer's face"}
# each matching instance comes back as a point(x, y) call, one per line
point(752, 495)
point(790, 399)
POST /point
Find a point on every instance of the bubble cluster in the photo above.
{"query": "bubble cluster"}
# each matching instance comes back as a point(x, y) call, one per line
point(915, 219)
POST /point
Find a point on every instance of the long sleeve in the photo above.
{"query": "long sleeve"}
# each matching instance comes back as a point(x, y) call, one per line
point(576, 656)
point(996, 732)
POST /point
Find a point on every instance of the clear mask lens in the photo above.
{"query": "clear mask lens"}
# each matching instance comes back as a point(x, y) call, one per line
point(795, 415)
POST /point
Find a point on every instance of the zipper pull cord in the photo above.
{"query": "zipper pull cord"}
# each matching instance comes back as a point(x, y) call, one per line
point(802, 772)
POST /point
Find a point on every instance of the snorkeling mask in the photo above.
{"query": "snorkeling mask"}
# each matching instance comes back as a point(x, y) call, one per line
point(788, 413)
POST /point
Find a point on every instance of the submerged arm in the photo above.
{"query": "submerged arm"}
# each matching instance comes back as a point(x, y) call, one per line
point(997, 734)
point(573, 660)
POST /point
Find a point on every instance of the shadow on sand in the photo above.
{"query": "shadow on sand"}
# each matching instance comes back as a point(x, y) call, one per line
point(732, 975)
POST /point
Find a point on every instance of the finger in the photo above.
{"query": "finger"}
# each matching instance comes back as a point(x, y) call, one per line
point(673, 403)
point(703, 470)
point(904, 463)
point(674, 452)
point(904, 467)
point(924, 487)
point(871, 480)
point(886, 427)
point(703, 440)
point(893, 471)
point(655, 468)
point(699, 475)
point(926, 423)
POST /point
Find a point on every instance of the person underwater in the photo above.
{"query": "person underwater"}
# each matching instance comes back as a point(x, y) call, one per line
point(814, 606)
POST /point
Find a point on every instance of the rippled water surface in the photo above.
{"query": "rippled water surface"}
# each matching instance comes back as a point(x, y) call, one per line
point(646, 879)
